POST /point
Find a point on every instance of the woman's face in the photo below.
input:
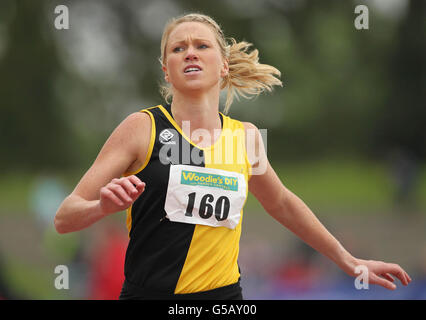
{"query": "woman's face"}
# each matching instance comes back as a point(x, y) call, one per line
point(193, 58)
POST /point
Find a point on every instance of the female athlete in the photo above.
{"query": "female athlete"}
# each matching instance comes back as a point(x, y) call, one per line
point(182, 170)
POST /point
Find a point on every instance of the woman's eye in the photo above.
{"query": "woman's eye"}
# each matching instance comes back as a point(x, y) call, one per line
point(179, 49)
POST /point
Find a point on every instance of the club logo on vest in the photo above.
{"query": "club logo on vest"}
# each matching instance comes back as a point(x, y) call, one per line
point(166, 136)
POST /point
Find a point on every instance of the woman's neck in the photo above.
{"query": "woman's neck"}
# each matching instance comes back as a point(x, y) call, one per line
point(197, 112)
point(201, 111)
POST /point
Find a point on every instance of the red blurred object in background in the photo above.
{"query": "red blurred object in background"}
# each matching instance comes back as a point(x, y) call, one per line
point(107, 264)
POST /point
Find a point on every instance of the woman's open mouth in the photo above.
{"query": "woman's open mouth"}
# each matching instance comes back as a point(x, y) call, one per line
point(192, 69)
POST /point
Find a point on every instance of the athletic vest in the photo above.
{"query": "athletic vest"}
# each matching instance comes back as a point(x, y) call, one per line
point(185, 227)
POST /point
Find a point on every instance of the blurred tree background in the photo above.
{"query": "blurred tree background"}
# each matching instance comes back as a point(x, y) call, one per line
point(347, 91)
point(346, 132)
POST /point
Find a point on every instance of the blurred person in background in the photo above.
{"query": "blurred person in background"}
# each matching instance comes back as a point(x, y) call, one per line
point(405, 172)
point(298, 272)
point(106, 274)
point(175, 253)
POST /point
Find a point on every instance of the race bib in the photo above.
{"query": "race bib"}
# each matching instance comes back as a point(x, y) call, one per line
point(206, 196)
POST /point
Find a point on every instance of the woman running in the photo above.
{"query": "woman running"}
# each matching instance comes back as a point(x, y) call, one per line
point(182, 170)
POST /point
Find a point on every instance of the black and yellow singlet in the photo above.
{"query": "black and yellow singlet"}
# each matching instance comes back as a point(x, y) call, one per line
point(185, 227)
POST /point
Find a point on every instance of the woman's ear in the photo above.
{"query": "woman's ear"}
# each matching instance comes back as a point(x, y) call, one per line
point(225, 69)
point(166, 75)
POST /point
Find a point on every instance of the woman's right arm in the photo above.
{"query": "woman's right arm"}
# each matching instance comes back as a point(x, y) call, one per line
point(101, 191)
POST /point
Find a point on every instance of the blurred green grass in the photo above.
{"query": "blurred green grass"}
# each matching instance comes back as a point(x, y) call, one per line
point(336, 186)
point(329, 185)
point(15, 188)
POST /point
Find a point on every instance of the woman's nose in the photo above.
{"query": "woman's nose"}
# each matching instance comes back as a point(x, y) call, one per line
point(191, 55)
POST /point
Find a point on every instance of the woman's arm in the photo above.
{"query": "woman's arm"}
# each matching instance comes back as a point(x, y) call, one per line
point(293, 213)
point(101, 191)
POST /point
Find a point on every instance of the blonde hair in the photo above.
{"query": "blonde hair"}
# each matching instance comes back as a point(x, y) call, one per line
point(246, 76)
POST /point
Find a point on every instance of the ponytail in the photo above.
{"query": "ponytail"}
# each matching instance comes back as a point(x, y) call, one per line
point(247, 77)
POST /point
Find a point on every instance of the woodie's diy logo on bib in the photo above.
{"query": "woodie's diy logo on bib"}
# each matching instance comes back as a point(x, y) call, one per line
point(212, 180)
point(207, 196)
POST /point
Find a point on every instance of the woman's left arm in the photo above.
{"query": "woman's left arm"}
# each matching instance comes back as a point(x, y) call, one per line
point(294, 214)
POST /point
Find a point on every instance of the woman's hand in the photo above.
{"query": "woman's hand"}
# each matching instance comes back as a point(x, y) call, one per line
point(381, 273)
point(120, 194)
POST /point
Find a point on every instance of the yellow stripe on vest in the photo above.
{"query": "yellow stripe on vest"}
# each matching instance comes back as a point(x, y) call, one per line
point(212, 257)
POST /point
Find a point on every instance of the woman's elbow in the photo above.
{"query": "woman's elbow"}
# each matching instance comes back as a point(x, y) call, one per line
point(58, 220)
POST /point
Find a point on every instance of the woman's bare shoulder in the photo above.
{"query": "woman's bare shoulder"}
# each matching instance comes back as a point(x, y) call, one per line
point(248, 125)
point(137, 120)
point(134, 124)
point(131, 136)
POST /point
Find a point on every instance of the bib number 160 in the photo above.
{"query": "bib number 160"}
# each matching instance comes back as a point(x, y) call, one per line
point(206, 209)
